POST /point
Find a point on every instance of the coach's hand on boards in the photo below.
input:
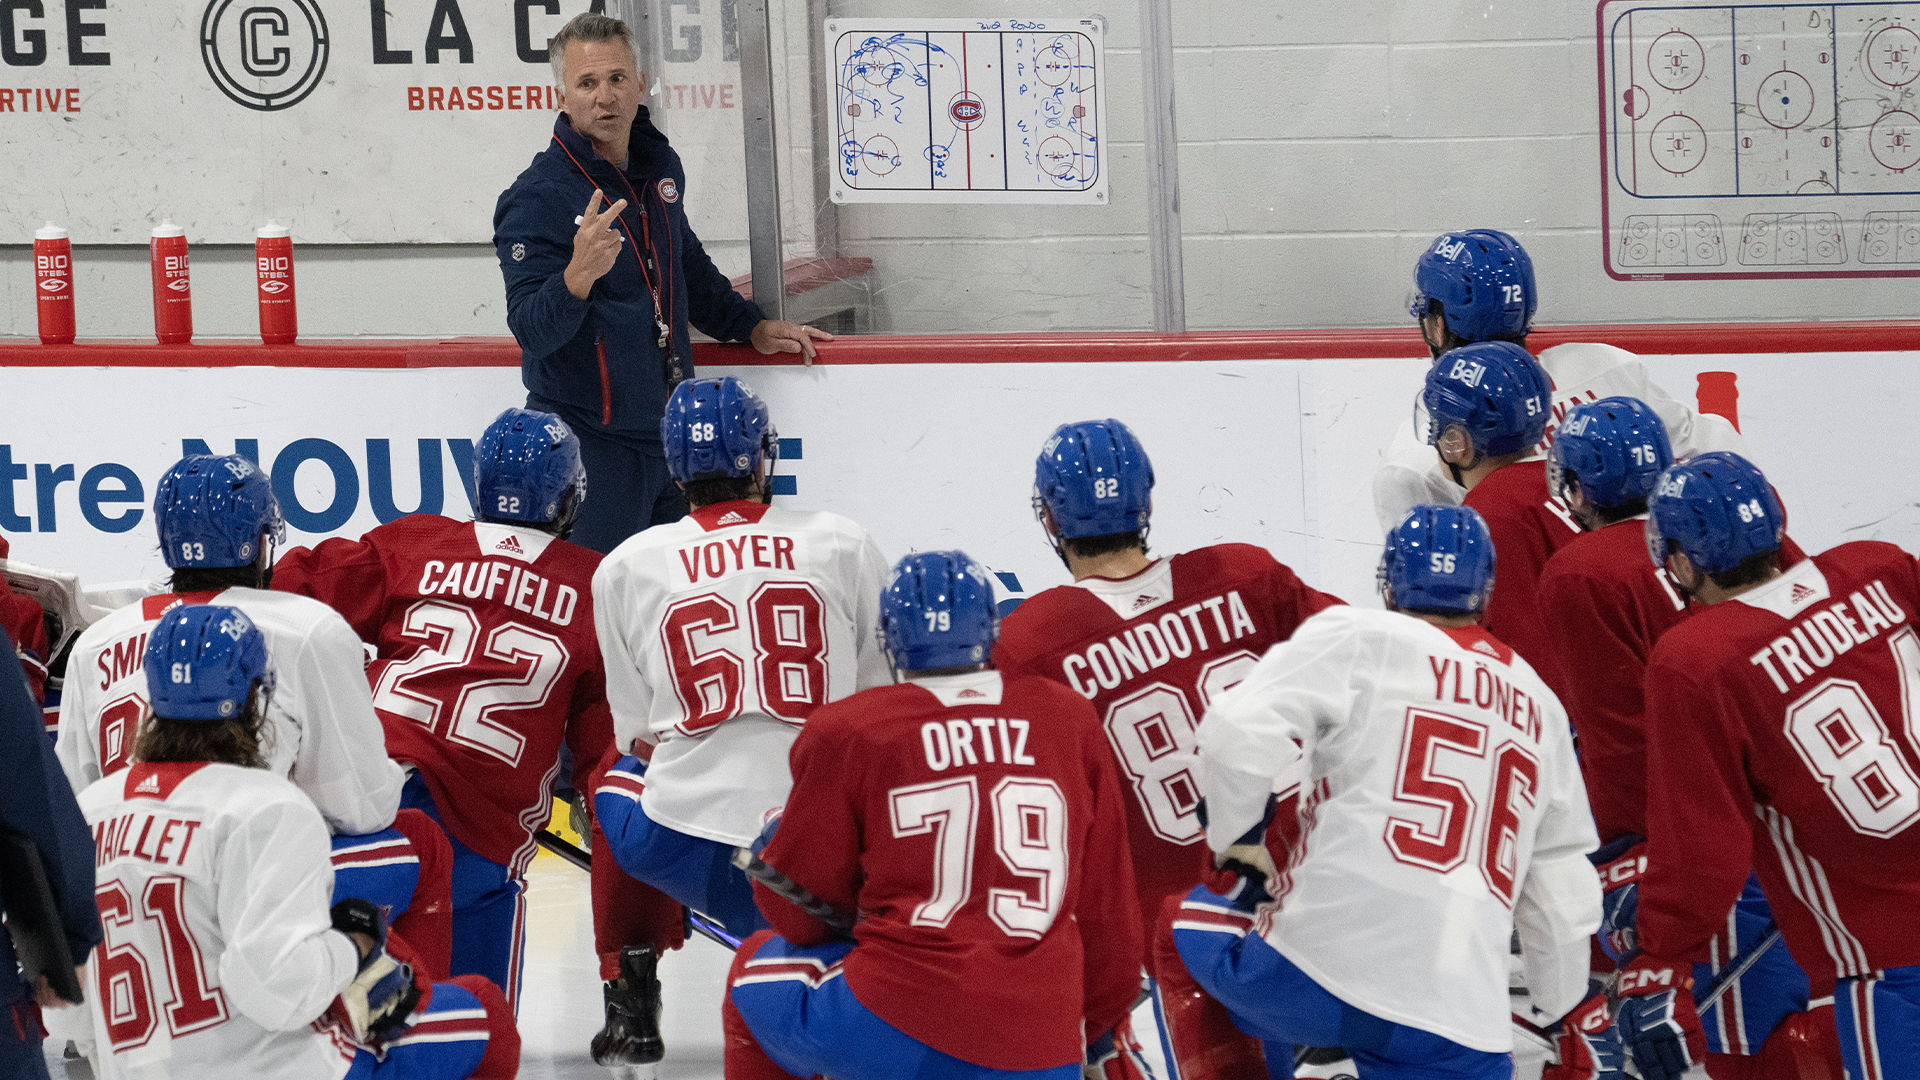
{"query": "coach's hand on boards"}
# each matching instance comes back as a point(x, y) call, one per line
point(595, 246)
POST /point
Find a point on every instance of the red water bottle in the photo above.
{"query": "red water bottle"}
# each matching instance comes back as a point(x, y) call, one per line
point(172, 293)
point(53, 276)
point(273, 257)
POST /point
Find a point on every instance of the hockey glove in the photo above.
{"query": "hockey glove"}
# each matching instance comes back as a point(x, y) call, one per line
point(382, 995)
point(1620, 864)
point(1114, 1056)
point(1244, 872)
point(1587, 1043)
point(1656, 1018)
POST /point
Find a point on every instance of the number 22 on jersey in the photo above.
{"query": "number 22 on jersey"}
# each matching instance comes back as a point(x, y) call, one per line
point(436, 687)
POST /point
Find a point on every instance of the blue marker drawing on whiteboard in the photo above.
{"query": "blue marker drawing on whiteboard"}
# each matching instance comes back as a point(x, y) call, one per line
point(936, 110)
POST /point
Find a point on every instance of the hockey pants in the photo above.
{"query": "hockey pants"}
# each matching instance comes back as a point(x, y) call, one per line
point(463, 1029)
point(626, 910)
point(1273, 1000)
point(408, 871)
point(489, 907)
point(693, 870)
point(783, 1017)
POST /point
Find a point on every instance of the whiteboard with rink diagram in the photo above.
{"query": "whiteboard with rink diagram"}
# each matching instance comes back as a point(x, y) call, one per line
point(968, 110)
point(1760, 140)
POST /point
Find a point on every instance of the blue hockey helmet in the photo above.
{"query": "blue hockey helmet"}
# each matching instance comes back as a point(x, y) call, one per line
point(525, 464)
point(717, 428)
point(211, 511)
point(1615, 448)
point(937, 611)
point(202, 660)
point(1440, 559)
point(1718, 508)
point(1496, 390)
point(1484, 282)
point(1095, 478)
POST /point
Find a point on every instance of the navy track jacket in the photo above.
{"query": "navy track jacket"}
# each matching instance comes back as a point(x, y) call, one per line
point(36, 802)
point(601, 355)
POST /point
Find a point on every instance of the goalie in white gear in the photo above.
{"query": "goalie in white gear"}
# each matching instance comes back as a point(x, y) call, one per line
point(1478, 286)
point(213, 881)
point(1442, 809)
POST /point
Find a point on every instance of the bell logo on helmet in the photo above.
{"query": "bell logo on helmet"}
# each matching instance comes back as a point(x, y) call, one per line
point(1670, 487)
point(1468, 372)
point(1450, 250)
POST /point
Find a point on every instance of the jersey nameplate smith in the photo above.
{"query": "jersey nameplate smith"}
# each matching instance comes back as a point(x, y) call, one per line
point(722, 557)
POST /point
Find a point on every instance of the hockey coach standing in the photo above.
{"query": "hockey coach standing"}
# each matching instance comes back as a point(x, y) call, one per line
point(604, 276)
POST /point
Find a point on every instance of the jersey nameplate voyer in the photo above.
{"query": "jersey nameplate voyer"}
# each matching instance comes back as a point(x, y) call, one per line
point(716, 558)
point(1152, 644)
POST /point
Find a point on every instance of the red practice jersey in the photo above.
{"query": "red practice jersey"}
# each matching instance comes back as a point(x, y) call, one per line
point(1788, 723)
point(974, 821)
point(27, 626)
point(486, 659)
point(1151, 651)
point(1527, 525)
point(1606, 605)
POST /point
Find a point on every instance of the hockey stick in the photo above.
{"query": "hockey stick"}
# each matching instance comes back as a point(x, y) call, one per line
point(789, 890)
point(702, 925)
point(1732, 975)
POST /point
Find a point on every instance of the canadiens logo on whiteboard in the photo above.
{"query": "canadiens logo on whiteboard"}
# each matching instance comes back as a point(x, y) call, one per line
point(669, 191)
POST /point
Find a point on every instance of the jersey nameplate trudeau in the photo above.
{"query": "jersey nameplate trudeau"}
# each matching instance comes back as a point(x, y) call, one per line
point(1152, 644)
point(493, 579)
point(721, 556)
point(1822, 628)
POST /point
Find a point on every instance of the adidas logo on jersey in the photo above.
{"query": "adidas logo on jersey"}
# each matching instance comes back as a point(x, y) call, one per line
point(1800, 593)
point(732, 517)
point(1144, 600)
point(1485, 647)
point(510, 544)
point(969, 692)
point(150, 785)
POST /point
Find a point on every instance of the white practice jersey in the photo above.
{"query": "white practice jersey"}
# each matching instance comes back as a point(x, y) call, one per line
point(720, 633)
point(1441, 810)
point(213, 883)
point(323, 733)
point(1411, 474)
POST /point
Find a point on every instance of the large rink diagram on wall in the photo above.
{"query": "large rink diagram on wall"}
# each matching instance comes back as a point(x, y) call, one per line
point(1764, 141)
point(968, 110)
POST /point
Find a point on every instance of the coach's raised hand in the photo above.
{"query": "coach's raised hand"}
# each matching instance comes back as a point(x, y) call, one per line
point(595, 245)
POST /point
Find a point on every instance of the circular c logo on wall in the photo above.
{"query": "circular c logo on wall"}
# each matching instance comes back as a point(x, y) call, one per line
point(264, 54)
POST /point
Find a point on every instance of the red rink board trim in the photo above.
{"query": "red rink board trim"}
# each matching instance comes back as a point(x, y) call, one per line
point(1651, 339)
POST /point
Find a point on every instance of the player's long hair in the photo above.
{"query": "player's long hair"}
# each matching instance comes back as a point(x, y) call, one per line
point(237, 741)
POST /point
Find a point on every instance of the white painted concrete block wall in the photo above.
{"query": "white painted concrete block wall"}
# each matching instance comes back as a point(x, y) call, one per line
point(1322, 146)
